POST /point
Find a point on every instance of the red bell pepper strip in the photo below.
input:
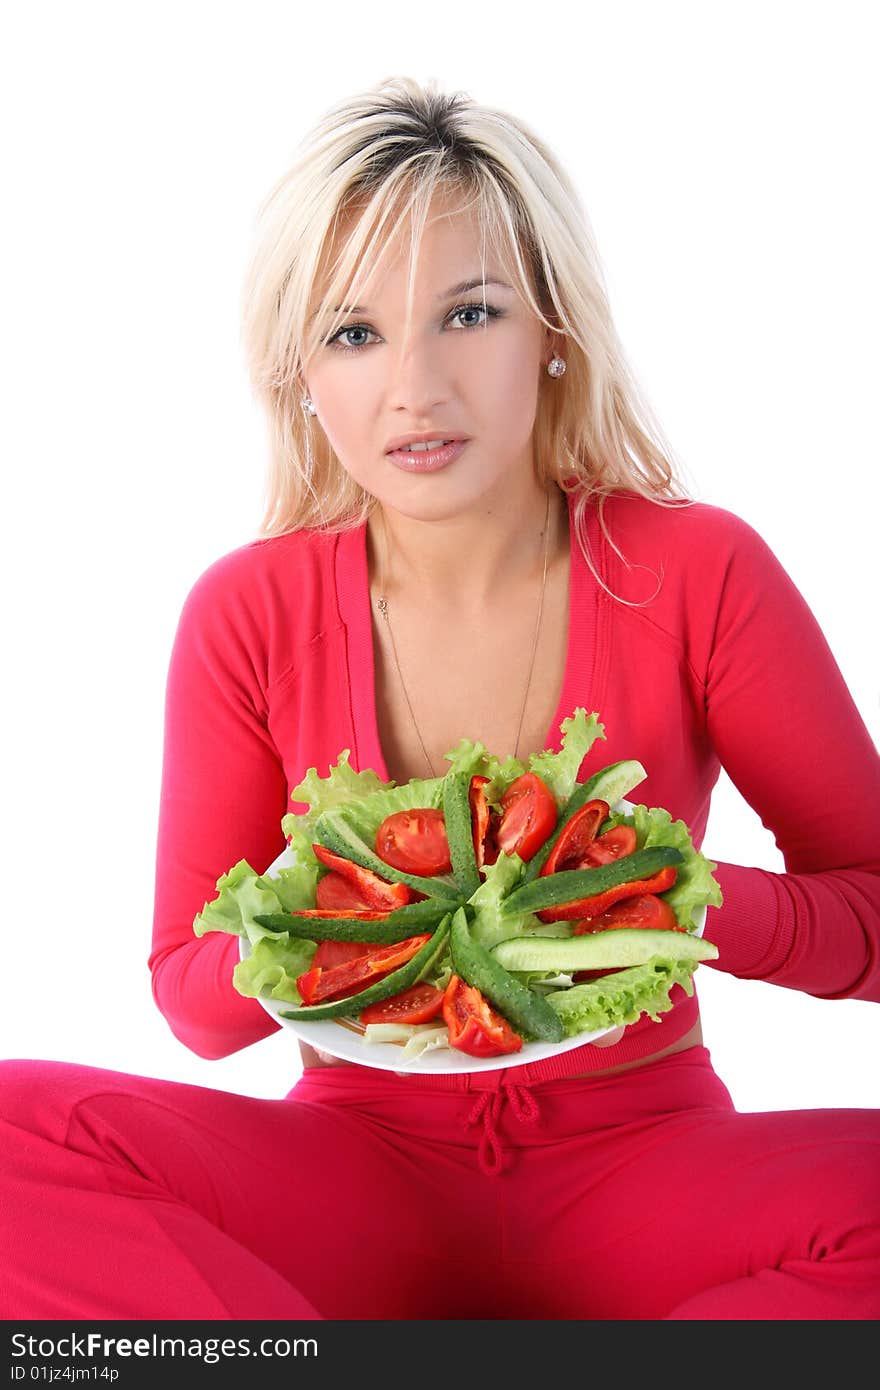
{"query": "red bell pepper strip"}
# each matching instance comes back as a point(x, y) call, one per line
point(576, 836)
point(474, 1026)
point(317, 984)
point(374, 891)
point(484, 821)
point(593, 907)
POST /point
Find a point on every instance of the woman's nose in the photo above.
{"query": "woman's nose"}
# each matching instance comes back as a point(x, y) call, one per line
point(417, 381)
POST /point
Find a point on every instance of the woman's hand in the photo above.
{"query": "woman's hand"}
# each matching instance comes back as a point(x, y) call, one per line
point(609, 1039)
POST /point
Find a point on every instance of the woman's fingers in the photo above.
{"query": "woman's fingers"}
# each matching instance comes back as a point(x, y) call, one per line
point(609, 1039)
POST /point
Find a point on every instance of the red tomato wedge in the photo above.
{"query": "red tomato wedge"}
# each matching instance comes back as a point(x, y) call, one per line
point(366, 889)
point(614, 844)
point(474, 1026)
point(338, 981)
point(418, 1004)
point(415, 842)
point(528, 816)
point(644, 911)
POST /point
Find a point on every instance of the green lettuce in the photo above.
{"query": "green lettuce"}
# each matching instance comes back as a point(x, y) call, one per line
point(272, 968)
point(560, 770)
point(473, 758)
point(243, 894)
point(622, 997)
point(340, 786)
point(694, 886)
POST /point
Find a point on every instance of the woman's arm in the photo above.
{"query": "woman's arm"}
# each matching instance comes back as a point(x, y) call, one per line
point(789, 735)
point(223, 795)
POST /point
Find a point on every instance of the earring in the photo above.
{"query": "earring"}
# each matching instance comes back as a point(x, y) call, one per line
point(307, 406)
point(556, 366)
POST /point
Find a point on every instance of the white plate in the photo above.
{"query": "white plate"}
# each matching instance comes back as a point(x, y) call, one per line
point(344, 1037)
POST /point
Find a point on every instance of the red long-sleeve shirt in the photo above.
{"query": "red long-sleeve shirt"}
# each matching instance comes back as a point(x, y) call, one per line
point(272, 673)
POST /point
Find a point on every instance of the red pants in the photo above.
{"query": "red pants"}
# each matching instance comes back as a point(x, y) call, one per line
point(367, 1195)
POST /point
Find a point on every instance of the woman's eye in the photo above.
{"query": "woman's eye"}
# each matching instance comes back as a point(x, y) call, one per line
point(476, 311)
point(345, 338)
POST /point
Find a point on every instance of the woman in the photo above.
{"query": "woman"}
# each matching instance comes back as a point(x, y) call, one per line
point(472, 528)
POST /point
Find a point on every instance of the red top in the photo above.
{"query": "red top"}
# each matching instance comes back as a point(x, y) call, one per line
point(272, 673)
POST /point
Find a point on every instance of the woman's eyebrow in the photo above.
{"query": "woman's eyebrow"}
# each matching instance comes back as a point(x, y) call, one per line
point(463, 287)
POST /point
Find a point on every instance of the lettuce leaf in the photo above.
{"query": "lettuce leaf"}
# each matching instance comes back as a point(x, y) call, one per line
point(272, 968)
point(488, 927)
point(473, 758)
point(621, 998)
point(340, 786)
point(560, 770)
point(242, 894)
point(694, 887)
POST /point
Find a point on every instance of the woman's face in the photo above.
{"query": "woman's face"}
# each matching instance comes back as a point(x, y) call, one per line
point(458, 370)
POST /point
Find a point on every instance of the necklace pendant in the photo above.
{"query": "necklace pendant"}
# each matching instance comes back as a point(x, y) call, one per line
point(382, 605)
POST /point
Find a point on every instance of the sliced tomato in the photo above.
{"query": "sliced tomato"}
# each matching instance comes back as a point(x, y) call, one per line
point(474, 1026)
point(418, 1004)
point(372, 890)
point(330, 953)
point(415, 842)
point(600, 902)
point(528, 816)
point(576, 837)
point(644, 911)
point(339, 981)
point(484, 822)
point(614, 844)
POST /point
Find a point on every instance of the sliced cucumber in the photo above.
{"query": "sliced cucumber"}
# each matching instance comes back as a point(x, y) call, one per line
point(609, 784)
point(521, 1006)
point(570, 885)
point(615, 948)
point(410, 974)
point(334, 833)
point(397, 926)
point(459, 832)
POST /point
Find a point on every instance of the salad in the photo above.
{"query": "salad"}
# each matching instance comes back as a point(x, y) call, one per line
point(501, 904)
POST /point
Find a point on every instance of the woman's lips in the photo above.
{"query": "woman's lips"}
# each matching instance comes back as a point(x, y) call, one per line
point(427, 460)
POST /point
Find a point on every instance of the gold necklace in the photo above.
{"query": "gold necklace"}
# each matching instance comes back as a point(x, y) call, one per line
point(382, 605)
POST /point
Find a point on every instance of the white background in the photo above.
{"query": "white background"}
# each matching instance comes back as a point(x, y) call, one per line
point(726, 155)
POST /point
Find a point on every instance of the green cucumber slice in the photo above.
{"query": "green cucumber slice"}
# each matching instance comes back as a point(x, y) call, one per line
point(410, 974)
point(522, 1007)
point(459, 832)
point(570, 885)
point(404, 921)
point(615, 948)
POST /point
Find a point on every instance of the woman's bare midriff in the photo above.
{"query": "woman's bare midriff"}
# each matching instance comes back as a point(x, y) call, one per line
point(693, 1038)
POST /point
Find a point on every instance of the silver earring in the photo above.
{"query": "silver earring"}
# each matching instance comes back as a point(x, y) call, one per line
point(307, 406)
point(556, 366)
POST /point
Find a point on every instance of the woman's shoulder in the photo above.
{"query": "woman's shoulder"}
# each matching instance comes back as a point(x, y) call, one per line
point(696, 541)
point(289, 577)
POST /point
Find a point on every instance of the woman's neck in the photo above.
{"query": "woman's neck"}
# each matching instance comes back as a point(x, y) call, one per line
point(464, 560)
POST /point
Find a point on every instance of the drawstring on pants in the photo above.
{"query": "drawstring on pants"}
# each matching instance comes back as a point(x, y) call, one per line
point(487, 1108)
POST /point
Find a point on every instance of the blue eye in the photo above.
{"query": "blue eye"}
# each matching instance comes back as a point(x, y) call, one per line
point(337, 343)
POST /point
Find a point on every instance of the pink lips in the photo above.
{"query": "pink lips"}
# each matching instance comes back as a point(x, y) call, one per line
point(427, 460)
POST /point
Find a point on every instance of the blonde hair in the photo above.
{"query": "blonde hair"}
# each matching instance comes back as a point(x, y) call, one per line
point(381, 157)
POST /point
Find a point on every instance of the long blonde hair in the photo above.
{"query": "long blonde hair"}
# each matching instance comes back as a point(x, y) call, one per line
point(378, 158)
